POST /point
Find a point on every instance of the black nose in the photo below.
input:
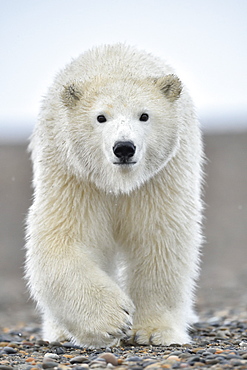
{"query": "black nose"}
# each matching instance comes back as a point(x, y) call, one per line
point(124, 150)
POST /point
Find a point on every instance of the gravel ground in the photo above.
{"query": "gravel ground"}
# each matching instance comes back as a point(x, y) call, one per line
point(219, 342)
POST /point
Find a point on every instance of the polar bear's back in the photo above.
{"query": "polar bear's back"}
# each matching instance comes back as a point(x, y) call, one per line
point(116, 60)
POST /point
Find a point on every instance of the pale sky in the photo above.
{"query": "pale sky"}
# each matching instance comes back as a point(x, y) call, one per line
point(205, 40)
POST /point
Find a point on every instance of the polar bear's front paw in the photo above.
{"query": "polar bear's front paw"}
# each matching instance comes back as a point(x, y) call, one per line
point(157, 336)
point(108, 326)
point(118, 327)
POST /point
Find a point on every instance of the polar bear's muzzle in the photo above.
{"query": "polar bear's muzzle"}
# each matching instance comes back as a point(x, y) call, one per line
point(124, 152)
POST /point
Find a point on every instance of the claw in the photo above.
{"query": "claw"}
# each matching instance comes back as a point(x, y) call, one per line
point(111, 335)
point(126, 329)
point(151, 339)
point(136, 337)
point(127, 340)
point(118, 334)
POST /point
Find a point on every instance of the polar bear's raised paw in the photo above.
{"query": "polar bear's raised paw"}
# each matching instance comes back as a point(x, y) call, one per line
point(109, 326)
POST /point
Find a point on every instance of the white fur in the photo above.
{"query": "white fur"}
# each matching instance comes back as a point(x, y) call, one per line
point(91, 216)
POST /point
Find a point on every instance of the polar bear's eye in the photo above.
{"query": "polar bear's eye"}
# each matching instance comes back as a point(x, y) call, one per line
point(101, 118)
point(144, 117)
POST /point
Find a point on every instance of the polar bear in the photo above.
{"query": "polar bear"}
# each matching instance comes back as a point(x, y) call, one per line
point(114, 231)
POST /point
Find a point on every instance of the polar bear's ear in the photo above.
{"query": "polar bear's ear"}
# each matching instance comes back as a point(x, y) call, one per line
point(170, 85)
point(70, 95)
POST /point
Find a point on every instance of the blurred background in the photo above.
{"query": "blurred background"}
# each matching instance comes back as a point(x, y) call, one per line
point(205, 41)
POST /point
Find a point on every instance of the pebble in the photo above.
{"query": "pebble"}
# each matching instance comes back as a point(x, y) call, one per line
point(211, 361)
point(59, 350)
point(70, 345)
point(42, 342)
point(172, 359)
point(49, 364)
point(54, 356)
point(79, 359)
point(109, 358)
point(153, 366)
point(9, 350)
point(98, 365)
point(133, 359)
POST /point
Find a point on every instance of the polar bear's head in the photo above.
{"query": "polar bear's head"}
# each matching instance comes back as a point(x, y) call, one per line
point(120, 133)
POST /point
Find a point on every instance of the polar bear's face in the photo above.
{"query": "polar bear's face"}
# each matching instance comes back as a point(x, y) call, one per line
point(122, 133)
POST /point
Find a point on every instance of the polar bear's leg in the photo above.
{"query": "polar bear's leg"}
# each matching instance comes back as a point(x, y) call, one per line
point(52, 331)
point(85, 302)
point(160, 283)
